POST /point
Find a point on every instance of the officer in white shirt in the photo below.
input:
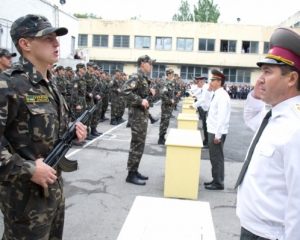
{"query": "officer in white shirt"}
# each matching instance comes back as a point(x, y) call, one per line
point(217, 127)
point(202, 89)
point(268, 200)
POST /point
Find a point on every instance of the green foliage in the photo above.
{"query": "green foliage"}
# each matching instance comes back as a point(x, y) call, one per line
point(206, 11)
point(86, 15)
point(184, 13)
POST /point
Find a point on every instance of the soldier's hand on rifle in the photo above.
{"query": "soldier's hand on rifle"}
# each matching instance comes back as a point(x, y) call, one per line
point(90, 95)
point(98, 97)
point(80, 132)
point(145, 103)
point(43, 173)
point(78, 107)
point(152, 91)
point(178, 94)
point(172, 101)
point(118, 90)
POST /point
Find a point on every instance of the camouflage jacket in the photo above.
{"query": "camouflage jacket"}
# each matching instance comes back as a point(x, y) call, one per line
point(90, 82)
point(105, 83)
point(168, 92)
point(62, 84)
point(78, 90)
point(98, 88)
point(114, 86)
point(136, 88)
point(33, 117)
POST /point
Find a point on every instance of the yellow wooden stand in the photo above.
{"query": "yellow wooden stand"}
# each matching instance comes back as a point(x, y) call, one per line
point(183, 163)
point(188, 101)
point(187, 110)
point(188, 121)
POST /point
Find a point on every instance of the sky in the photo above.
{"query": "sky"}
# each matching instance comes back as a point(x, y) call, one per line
point(250, 12)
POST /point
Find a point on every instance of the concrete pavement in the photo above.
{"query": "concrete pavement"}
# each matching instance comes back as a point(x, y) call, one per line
point(98, 199)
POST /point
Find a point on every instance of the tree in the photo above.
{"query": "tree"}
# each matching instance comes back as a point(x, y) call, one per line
point(206, 11)
point(86, 15)
point(184, 13)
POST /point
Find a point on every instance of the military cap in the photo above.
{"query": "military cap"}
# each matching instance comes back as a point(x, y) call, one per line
point(95, 67)
point(80, 65)
point(33, 25)
point(123, 74)
point(284, 49)
point(197, 79)
point(117, 70)
point(90, 64)
point(216, 75)
point(5, 52)
point(169, 71)
point(175, 75)
point(68, 69)
point(59, 68)
point(145, 58)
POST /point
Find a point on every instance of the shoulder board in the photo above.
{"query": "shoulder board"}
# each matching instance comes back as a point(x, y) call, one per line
point(296, 107)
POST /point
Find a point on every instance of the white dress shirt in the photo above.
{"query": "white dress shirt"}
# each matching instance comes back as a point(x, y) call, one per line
point(219, 113)
point(268, 200)
point(200, 96)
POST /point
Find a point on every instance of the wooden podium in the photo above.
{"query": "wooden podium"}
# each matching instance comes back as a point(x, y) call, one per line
point(188, 121)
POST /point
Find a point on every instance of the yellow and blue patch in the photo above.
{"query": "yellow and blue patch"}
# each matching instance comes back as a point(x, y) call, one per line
point(37, 98)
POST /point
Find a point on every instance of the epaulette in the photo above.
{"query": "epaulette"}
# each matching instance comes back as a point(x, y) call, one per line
point(296, 107)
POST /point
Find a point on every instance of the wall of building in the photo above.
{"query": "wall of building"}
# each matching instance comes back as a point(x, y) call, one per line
point(11, 10)
point(293, 21)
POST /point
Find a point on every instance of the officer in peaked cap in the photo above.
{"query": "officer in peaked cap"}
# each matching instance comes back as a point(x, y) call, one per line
point(268, 185)
point(5, 59)
point(34, 116)
point(217, 128)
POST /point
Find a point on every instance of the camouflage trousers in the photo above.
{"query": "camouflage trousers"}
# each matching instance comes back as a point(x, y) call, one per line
point(130, 109)
point(166, 112)
point(121, 107)
point(139, 125)
point(90, 104)
point(114, 108)
point(28, 215)
point(82, 104)
point(105, 103)
point(96, 115)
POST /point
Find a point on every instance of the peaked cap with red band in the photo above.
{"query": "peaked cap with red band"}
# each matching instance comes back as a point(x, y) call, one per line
point(199, 78)
point(216, 75)
point(284, 49)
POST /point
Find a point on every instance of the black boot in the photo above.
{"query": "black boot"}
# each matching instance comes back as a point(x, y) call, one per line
point(94, 132)
point(121, 120)
point(152, 120)
point(161, 140)
point(128, 125)
point(175, 107)
point(133, 178)
point(113, 122)
point(142, 177)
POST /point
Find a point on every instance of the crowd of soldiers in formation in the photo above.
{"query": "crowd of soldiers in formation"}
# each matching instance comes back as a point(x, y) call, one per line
point(89, 85)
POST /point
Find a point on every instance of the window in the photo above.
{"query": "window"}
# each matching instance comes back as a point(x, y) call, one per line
point(142, 42)
point(163, 43)
point(228, 46)
point(100, 40)
point(158, 71)
point(250, 47)
point(206, 45)
point(296, 25)
point(266, 47)
point(72, 44)
point(82, 40)
point(239, 76)
point(121, 41)
point(110, 67)
point(189, 72)
point(186, 44)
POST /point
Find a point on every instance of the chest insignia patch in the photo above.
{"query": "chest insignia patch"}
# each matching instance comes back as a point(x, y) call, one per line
point(75, 85)
point(133, 84)
point(37, 98)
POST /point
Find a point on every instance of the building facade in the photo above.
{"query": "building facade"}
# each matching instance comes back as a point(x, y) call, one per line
point(189, 48)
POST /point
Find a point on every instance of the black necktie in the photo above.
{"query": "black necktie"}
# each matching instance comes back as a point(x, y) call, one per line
point(252, 147)
point(210, 103)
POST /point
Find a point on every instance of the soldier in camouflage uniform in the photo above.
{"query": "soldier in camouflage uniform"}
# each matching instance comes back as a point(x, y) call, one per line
point(115, 98)
point(135, 90)
point(69, 86)
point(90, 83)
point(5, 59)
point(97, 92)
point(122, 101)
point(178, 88)
point(105, 83)
point(33, 118)
point(167, 96)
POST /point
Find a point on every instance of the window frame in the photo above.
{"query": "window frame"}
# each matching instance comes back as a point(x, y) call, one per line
point(100, 40)
point(202, 71)
point(135, 39)
point(121, 41)
point(206, 44)
point(187, 50)
point(163, 44)
point(80, 40)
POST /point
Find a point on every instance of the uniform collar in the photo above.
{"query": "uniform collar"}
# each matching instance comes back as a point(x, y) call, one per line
point(141, 72)
point(282, 107)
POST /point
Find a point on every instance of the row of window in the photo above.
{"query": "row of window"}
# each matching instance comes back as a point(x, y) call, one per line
point(165, 43)
point(240, 76)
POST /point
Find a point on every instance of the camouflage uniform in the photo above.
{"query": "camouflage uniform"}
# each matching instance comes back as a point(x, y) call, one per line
point(177, 89)
point(78, 95)
point(121, 104)
point(97, 113)
point(167, 94)
point(33, 117)
point(135, 90)
point(115, 97)
point(90, 83)
point(105, 91)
